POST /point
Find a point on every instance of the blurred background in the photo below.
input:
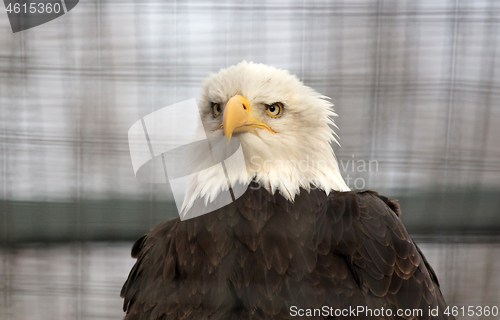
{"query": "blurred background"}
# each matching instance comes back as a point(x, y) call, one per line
point(416, 85)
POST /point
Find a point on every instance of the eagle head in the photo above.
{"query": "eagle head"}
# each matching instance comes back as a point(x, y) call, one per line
point(285, 129)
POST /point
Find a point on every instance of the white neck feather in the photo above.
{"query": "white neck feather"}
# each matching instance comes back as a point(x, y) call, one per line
point(285, 171)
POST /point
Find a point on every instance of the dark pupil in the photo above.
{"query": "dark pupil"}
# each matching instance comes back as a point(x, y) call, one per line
point(272, 109)
point(218, 108)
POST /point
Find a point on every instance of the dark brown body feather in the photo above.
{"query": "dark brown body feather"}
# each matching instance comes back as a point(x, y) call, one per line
point(261, 255)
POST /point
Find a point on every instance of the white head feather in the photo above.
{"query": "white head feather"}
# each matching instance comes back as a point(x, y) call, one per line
point(299, 153)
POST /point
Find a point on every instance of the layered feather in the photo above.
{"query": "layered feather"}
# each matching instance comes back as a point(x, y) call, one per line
point(259, 256)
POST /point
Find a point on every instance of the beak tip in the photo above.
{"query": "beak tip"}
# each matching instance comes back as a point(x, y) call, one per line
point(228, 139)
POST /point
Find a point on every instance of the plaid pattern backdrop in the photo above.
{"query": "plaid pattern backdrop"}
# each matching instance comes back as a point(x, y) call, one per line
point(416, 85)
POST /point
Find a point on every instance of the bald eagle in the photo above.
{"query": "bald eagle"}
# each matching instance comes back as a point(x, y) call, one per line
point(298, 243)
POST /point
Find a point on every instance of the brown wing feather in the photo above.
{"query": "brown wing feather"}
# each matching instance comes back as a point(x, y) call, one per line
point(391, 269)
point(261, 255)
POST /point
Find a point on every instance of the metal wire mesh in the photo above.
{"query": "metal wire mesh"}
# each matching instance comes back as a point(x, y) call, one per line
point(75, 281)
point(416, 85)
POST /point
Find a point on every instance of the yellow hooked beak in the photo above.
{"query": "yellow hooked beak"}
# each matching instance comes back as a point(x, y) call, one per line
point(238, 117)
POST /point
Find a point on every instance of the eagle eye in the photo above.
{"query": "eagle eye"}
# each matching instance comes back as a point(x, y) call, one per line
point(215, 109)
point(275, 109)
